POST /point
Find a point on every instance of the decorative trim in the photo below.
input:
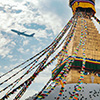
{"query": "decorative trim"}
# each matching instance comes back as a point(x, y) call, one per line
point(83, 5)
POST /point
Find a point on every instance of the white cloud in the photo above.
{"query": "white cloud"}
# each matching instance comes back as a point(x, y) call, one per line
point(13, 43)
point(0, 67)
point(27, 50)
point(3, 42)
point(21, 50)
point(34, 12)
point(10, 56)
point(4, 49)
point(13, 20)
point(14, 59)
point(25, 42)
point(6, 67)
point(97, 4)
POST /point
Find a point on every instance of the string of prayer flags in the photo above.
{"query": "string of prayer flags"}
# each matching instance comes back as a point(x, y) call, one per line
point(65, 29)
point(44, 61)
point(45, 50)
point(47, 92)
point(61, 81)
point(44, 89)
point(41, 67)
point(66, 44)
point(96, 19)
point(78, 86)
point(60, 93)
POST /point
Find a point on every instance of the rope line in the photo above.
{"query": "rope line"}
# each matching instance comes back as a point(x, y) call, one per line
point(41, 67)
point(96, 19)
point(47, 56)
point(78, 87)
point(61, 75)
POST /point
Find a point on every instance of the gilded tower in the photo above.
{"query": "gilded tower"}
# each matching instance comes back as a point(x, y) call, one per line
point(92, 44)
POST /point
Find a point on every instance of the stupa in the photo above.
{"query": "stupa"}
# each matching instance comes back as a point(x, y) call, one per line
point(92, 44)
point(90, 51)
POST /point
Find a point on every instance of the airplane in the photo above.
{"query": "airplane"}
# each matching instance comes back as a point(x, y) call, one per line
point(22, 33)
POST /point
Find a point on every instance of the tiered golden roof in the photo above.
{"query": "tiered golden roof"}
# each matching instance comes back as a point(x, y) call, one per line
point(87, 4)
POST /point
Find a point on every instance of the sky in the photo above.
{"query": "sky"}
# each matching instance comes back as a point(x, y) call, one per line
point(45, 18)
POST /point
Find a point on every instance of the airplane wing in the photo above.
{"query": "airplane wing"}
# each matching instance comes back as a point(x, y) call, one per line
point(29, 35)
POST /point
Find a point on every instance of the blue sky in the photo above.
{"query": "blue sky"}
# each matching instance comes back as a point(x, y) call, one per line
point(45, 18)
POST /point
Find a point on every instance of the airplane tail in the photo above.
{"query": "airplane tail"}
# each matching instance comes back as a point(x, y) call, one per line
point(32, 34)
